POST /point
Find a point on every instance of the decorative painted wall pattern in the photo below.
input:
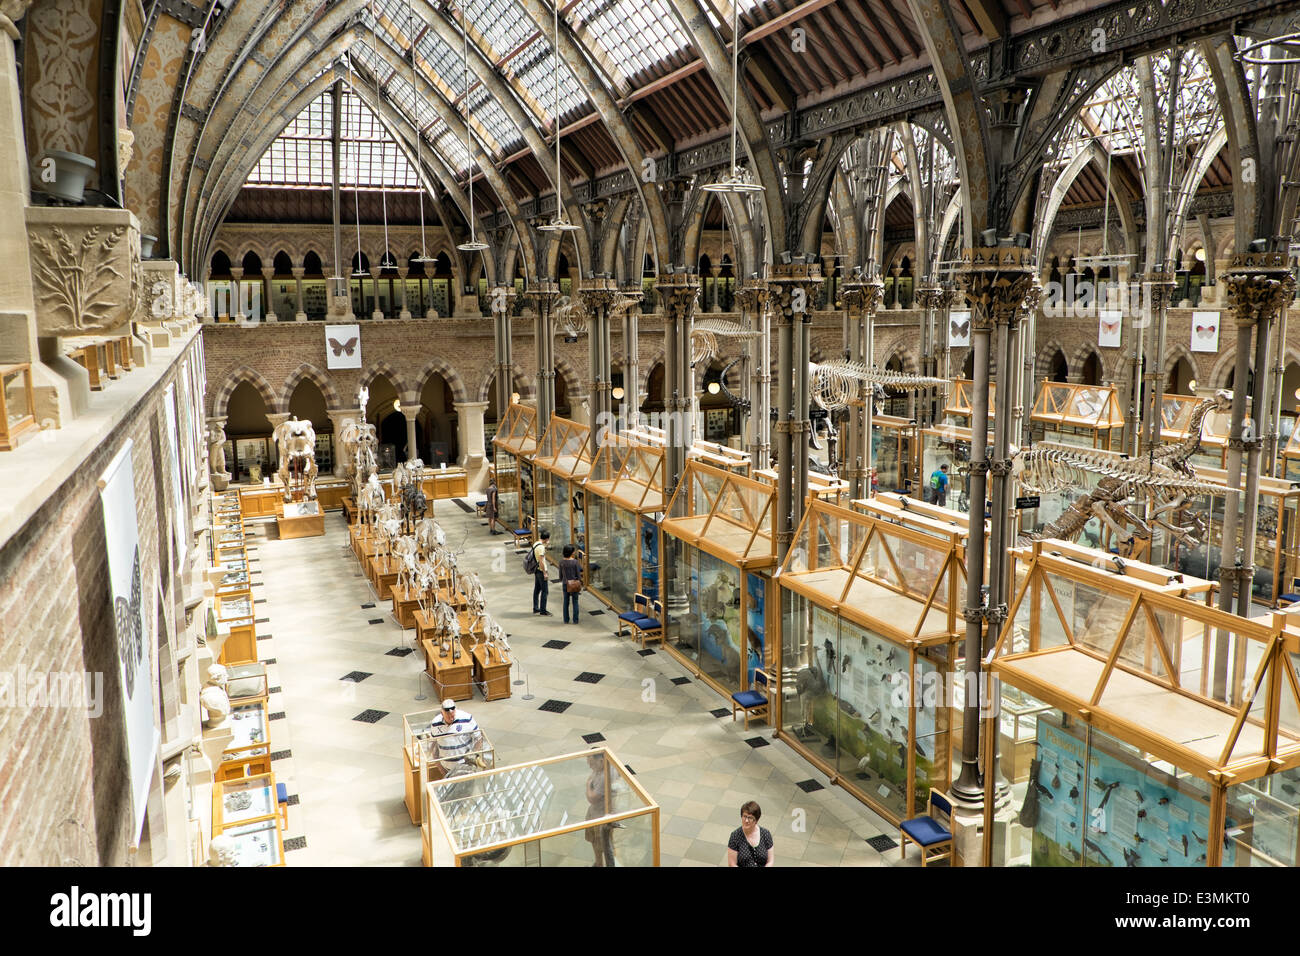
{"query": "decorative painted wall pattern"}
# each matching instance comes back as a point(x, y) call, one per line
point(62, 78)
point(158, 81)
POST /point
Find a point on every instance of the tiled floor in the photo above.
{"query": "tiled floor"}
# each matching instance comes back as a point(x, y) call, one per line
point(347, 772)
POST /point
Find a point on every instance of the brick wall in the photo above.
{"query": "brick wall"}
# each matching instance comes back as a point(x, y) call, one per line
point(64, 784)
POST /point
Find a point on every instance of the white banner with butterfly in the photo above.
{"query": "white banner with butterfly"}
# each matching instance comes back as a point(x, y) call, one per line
point(131, 614)
point(958, 330)
point(1205, 331)
point(343, 346)
point(1110, 330)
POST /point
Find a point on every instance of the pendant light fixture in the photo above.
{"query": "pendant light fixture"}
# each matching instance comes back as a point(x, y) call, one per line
point(357, 271)
point(561, 222)
point(419, 133)
point(385, 258)
point(473, 244)
point(735, 181)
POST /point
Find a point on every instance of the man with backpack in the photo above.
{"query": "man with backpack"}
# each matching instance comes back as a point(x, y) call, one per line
point(535, 561)
point(939, 486)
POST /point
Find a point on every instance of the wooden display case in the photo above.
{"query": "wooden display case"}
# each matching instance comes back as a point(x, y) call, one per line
point(869, 638)
point(406, 601)
point(302, 519)
point(562, 463)
point(246, 683)
point(249, 750)
point(260, 843)
point(17, 404)
point(87, 356)
point(512, 446)
point(420, 762)
point(492, 673)
point(959, 407)
point(896, 453)
point(1143, 686)
point(539, 814)
point(242, 800)
point(261, 501)
point(452, 676)
point(1178, 415)
point(623, 497)
point(1078, 415)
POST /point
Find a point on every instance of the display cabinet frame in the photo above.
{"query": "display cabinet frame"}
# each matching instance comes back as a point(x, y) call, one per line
point(882, 599)
point(561, 465)
point(896, 452)
point(518, 798)
point(1158, 686)
point(1176, 413)
point(624, 484)
point(513, 446)
point(951, 445)
point(1077, 414)
point(960, 404)
point(245, 757)
point(15, 420)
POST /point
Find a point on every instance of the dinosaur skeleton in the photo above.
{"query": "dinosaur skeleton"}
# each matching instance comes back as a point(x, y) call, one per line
point(835, 386)
point(705, 334)
point(1050, 467)
point(1164, 474)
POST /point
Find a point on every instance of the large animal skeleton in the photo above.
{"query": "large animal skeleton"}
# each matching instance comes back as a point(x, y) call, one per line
point(835, 386)
point(370, 499)
point(296, 442)
point(1164, 478)
point(359, 441)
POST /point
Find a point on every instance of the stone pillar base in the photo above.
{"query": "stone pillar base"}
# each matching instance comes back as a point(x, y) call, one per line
point(404, 314)
point(300, 317)
point(61, 387)
point(376, 316)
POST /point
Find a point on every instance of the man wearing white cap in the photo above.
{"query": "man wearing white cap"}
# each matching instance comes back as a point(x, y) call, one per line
point(456, 735)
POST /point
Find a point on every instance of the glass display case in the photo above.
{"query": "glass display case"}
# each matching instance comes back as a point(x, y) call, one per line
point(827, 487)
point(516, 439)
point(1178, 418)
point(1160, 724)
point(257, 844)
point(249, 750)
point(562, 463)
point(1077, 415)
point(623, 497)
point(420, 758)
point(581, 809)
point(958, 409)
point(719, 553)
point(246, 683)
point(870, 633)
point(17, 404)
point(895, 452)
point(948, 445)
point(243, 800)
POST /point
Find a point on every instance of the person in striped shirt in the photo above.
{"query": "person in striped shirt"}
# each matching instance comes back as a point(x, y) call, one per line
point(456, 735)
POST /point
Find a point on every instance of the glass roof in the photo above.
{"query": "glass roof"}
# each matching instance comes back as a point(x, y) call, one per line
point(301, 155)
point(636, 34)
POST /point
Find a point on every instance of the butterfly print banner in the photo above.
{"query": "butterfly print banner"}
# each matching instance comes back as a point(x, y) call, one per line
point(958, 330)
point(1205, 331)
point(1110, 330)
point(343, 346)
point(130, 616)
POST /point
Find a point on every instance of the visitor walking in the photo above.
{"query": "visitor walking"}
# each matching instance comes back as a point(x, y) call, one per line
point(939, 486)
point(571, 582)
point(541, 577)
point(492, 503)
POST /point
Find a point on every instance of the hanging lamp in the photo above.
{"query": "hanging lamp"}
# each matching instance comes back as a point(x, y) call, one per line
point(473, 244)
point(737, 180)
point(561, 222)
point(419, 133)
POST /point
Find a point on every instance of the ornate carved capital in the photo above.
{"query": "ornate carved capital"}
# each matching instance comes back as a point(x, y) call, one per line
point(862, 297)
point(752, 298)
point(1259, 285)
point(1001, 284)
point(502, 299)
point(929, 297)
point(793, 286)
point(86, 269)
point(679, 292)
point(11, 11)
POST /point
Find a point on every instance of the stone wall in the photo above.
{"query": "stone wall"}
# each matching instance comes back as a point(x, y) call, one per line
point(65, 788)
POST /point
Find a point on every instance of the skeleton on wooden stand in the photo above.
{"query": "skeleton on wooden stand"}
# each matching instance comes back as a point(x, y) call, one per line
point(296, 443)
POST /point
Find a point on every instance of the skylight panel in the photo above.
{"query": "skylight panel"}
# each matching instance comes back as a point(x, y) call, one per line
point(636, 34)
point(535, 69)
point(502, 24)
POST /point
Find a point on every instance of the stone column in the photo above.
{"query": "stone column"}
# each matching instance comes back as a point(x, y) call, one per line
point(793, 287)
point(268, 274)
point(1159, 288)
point(930, 299)
point(631, 310)
point(861, 300)
point(473, 447)
point(597, 299)
point(756, 371)
point(237, 294)
point(338, 418)
point(544, 294)
point(502, 303)
point(679, 293)
point(377, 315)
point(411, 411)
point(1001, 287)
point(298, 273)
point(1259, 285)
point(896, 272)
point(217, 454)
point(402, 273)
point(714, 273)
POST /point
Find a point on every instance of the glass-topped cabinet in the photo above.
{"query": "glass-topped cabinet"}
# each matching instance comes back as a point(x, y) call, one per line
point(579, 810)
